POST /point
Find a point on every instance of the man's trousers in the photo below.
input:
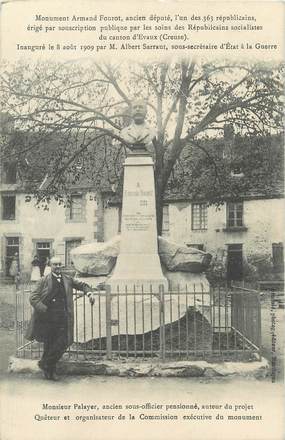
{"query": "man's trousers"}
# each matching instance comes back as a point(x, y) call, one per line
point(55, 344)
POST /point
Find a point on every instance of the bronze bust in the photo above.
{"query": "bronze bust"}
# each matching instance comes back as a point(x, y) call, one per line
point(139, 134)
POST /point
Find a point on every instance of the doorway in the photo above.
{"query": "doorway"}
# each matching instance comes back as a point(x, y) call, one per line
point(12, 249)
point(43, 251)
point(235, 263)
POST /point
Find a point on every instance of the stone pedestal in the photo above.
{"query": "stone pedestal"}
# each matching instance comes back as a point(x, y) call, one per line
point(138, 264)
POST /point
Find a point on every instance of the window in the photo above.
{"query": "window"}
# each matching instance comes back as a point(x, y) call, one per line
point(165, 221)
point(234, 215)
point(199, 246)
point(12, 250)
point(8, 207)
point(76, 207)
point(199, 216)
point(70, 244)
point(10, 173)
point(43, 245)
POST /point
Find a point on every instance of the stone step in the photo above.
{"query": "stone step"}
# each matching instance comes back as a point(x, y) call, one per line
point(258, 369)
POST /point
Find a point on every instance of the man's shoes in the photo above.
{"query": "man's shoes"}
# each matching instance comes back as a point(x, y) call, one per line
point(46, 374)
point(52, 375)
point(49, 373)
point(41, 365)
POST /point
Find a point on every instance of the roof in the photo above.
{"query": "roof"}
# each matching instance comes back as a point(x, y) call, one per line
point(203, 172)
point(252, 167)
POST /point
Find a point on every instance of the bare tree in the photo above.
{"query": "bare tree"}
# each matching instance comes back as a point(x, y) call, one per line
point(67, 117)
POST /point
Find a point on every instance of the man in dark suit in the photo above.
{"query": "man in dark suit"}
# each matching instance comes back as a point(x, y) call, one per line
point(53, 318)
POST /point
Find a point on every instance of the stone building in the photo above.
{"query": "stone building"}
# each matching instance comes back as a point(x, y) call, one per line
point(28, 230)
point(244, 234)
point(241, 235)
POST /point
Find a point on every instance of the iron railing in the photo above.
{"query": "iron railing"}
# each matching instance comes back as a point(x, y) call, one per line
point(246, 315)
point(183, 323)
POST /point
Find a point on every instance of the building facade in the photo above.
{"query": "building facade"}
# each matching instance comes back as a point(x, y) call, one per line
point(235, 233)
point(243, 235)
point(28, 230)
point(239, 234)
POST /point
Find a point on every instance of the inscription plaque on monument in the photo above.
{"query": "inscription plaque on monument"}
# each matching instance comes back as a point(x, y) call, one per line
point(138, 264)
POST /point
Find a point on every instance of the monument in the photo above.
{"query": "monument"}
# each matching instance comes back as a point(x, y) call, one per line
point(138, 265)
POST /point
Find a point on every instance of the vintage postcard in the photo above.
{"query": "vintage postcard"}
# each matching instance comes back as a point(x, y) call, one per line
point(142, 220)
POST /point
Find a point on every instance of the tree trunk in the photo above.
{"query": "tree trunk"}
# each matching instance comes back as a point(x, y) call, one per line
point(159, 191)
point(159, 213)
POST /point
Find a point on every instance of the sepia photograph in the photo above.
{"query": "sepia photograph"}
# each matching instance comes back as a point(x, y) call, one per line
point(142, 231)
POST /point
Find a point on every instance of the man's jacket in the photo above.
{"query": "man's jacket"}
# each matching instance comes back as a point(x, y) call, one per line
point(40, 296)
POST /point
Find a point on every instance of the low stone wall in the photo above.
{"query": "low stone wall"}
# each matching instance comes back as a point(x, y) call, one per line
point(257, 369)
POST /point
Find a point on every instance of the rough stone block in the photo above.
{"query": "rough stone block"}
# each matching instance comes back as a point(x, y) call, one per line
point(96, 258)
point(100, 258)
point(182, 258)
